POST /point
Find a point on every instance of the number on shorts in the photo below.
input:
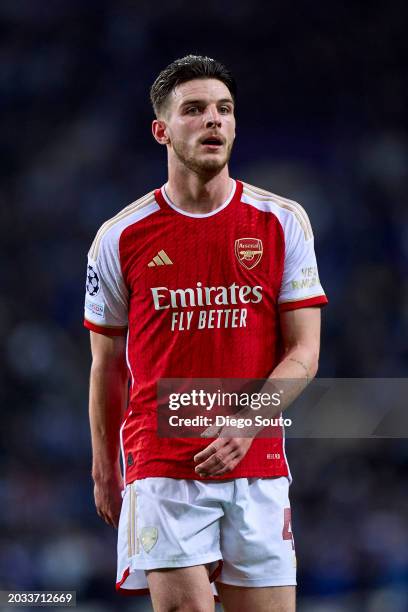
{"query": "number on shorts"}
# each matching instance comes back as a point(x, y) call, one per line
point(287, 526)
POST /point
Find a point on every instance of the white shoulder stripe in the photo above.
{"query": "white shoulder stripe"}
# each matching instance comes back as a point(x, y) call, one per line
point(145, 205)
point(255, 196)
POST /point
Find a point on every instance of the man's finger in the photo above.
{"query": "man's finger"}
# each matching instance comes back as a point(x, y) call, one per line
point(230, 465)
point(110, 519)
point(104, 517)
point(221, 467)
point(213, 463)
point(225, 470)
point(115, 520)
point(209, 450)
point(216, 462)
point(233, 461)
point(215, 457)
point(107, 516)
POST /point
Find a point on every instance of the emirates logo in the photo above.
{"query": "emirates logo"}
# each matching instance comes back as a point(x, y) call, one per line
point(248, 252)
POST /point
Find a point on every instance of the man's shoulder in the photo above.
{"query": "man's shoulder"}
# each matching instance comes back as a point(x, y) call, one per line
point(111, 230)
point(286, 210)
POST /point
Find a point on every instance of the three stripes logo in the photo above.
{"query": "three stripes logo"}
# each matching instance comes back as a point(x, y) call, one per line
point(161, 259)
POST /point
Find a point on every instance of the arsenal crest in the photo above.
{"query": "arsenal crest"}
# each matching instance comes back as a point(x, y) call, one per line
point(149, 537)
point(248, 251)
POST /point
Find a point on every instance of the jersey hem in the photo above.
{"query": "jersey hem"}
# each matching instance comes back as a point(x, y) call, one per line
point(318, 300)
point(278, 473)
point(106, 331)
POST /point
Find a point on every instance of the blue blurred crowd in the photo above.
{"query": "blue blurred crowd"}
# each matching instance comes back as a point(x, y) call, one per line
point(322, 97)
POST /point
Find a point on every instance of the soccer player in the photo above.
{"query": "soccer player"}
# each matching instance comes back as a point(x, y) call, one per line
point(205, 277)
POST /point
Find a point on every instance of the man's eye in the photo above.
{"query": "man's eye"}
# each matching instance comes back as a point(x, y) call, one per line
point(225, 110)
point(192, 110)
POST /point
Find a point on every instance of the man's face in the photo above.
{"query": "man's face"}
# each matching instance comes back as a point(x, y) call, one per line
point(200, 125)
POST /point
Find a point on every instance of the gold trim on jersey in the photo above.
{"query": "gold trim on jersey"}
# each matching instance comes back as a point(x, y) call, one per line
point(129, 523)
point(134, 523)
point(294, 207)
point(133, 542)
point(125, 212)
point(301, 299)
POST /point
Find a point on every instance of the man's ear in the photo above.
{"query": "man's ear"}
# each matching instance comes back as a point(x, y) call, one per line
point(159, 131)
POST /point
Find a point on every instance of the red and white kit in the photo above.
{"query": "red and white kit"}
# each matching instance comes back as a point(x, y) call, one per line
point(199, 296)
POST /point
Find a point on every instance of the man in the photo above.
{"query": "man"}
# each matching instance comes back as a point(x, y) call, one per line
point(207, 277)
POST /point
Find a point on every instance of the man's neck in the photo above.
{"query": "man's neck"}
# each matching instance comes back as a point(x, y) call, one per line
point(195, 194)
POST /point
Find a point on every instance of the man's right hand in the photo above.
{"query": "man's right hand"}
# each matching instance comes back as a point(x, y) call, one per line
point(108, 498)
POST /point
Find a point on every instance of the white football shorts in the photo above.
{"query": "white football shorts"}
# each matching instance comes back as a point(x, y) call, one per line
point(240, 528)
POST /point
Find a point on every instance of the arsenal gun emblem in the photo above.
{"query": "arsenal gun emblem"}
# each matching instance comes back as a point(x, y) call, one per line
point(248, 251)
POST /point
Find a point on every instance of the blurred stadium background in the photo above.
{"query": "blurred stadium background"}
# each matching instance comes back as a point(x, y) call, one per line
point(321, 119)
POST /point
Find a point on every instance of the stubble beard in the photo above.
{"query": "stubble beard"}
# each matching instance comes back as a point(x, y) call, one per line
point(207, 167)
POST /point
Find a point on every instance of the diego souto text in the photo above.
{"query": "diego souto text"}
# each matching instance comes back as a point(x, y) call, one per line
point(227, 421)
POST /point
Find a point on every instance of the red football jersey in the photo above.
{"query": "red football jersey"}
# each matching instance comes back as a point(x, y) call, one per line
point(199, 296)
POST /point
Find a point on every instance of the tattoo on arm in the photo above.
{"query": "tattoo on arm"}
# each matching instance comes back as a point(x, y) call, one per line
point(303, 366)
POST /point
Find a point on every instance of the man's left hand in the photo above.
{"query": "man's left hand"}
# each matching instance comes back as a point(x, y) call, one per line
point(221, 456)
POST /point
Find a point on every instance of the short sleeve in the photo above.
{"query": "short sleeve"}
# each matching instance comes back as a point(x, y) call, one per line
point(301, 285)
point(106, 296)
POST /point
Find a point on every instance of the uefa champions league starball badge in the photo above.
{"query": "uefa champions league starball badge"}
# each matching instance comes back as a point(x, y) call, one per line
point(92, 281)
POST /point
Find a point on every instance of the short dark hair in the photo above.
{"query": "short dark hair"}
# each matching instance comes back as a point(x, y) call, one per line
point(185, 69)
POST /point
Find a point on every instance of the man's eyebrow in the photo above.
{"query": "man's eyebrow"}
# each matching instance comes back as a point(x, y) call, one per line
point(201, 101)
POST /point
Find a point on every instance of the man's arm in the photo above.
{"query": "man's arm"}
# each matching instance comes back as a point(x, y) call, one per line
point(107, 401)
point(301, 340)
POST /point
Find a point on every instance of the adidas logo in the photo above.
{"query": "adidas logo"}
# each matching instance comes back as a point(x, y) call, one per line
point(161, 259)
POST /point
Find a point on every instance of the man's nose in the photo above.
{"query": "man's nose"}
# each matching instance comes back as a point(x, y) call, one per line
point(213, 118)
